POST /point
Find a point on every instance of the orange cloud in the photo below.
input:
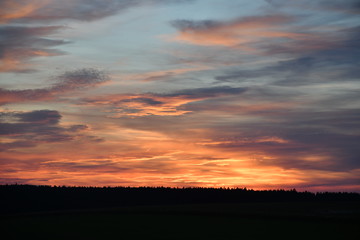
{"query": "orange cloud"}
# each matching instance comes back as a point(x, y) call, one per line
point(158, 104)
point(13, 61)
point(238, 33)
point(155, 161)
point(11, 64)
point(18, 44)
point(11, 10)
point(142, 105)
point(162, 74)
point(132, 157)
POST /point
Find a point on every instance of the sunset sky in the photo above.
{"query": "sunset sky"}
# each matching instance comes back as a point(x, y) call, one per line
point(262, 94)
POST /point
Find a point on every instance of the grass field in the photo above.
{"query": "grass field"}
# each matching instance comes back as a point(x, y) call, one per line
point(305, 220)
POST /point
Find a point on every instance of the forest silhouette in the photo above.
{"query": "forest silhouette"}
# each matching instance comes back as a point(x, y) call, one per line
point(63, 212)
point(30, 198)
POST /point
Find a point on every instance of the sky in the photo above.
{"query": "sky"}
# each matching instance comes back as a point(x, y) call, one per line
point(262, 94)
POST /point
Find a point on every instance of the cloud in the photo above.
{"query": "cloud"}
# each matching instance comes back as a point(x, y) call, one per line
point(14, 96)
point(16, 145)
point(40, 116)
point(164, 74)
point(302, 136)
point(294, 67)
point(28, 129)
point(349, 6)
point(198, 93)
point(339, 39)
point(336, 60)
point(12, 10)
point(79, 79)
point(158, 104)
point(293, 139)
point(240, 33)
point(66, 82)
point(83, 10)
point(154, 165)
point(19, 44)
point(183, 25)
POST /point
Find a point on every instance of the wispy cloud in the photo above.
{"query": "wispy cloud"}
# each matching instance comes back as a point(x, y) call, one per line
point(28, 129)
point(84, 10)
point(12, 10)
point(349, 6)
point(335, 60)
point(66, 82)
point(241, 33)
point(169, 104)
point(163, 75)
point(19, 44)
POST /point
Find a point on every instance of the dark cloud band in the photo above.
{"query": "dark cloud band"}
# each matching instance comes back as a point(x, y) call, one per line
point(66, 82)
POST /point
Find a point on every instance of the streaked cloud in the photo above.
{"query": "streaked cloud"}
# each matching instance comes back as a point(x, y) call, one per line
point(349, 6)
point(84, 10)
point(241, 33)
point(170, 104)
point(12, 10)
point(66, 82)
point(163, 75)
point(29, 129)
point(19, 44)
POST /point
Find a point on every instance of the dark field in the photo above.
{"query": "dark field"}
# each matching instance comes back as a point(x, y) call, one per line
point(337, 217)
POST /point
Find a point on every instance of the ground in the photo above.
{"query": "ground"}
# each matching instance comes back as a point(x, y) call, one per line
point(285, 220)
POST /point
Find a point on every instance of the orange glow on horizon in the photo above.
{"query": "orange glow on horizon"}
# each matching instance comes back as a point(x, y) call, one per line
point(155, 160)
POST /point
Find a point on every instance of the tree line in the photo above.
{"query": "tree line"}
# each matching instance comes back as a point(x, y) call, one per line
point(23, 198)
